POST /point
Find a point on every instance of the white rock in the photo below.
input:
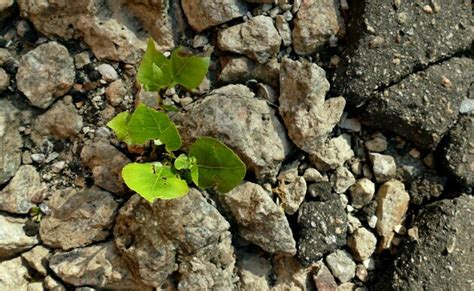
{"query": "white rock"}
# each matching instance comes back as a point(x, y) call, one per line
point(467, 105)
point(383, 166)
point(108, 72)
point(13, 275)
point(13, 238)
point(37, 258)
point(362, 244)
point(378, 143)
point(313, 175)
point(342, 179)
point(334, 153)
point(362, 192)
point(341, 265)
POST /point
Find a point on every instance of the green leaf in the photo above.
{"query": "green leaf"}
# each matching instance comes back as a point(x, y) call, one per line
point(188, 71)
point(153, 180)
point(183, 162)
point(119, 124)
point(217, 165)
point(154, 72)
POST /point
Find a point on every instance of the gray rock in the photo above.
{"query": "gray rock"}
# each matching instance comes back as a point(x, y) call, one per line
point(342, 179)
point(423, 106)
point(383, 166)
point(4, 80)
point(45, 73)
point(61, 122)
point(342, 266)
point(458, 156)
point(162, 238)
point(116, 92)
point(324, 280)
point(362, 244)
point(254, 271)
point(377, 144)
point(10, 141)
point(259, 219)
point(284, 29)
point(393, 41)
point(441, 258)
point(248, 125)
point(291, 275)
point(333, 153)
point(98, 266)
point(313, 175)
point(467, 105)
point(106, 163)
point(241, 69)
point(291, 189)
point(256, 38)
point(77, 218)
point(323, 227)
point(316, 21)
point(13, 239)
point(203, 14)
point(18, 195)
point(307, 116)
point(362, 192)
point(13, 275)
point(38, 259)
point(107, 72)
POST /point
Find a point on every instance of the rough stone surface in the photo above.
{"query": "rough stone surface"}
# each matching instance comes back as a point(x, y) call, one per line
point(13, 275)
point(38, 259)
point(362, 244)
point(307, 116)
point(256, 38)
point(259, 219)
point(203, 14)
point(291, 275)
point(323, 227)
point(425, 105)
point(391, 41)
point(45, 73)
point(4, 80)
point(77, 218)
point(106, 163)
point(392, 204)
point(316, 22)
point(52, 284)
point(116, 92)
point(248, 125)
point(383, 166)
point(98, 266)
point(427, 188)
point(10, 141)
point(18, 195)
point(362, 192)
point(441, 258)
point(324, 280)
point(291, 190)
point(254, 271)
point(342, 179)
point(459, 152)
point(60, 122)
point(332, 154)
point(185, 235)
point(241, 69)
point(377, 143)
point(13, 239)
point(341, 264)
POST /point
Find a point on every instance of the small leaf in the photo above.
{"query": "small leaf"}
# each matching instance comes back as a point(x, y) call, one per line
point(184, 162)
point(119, 124)
point(217, 165)
point(188, 71)
point(152, 181)
point(154, 72)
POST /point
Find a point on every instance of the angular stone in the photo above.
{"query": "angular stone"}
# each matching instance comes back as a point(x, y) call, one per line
point(332, 154)
point(283, 29)
point(162, 238)
point(254, 271)
point(256, 38)
point(362, 244)
point(106, 163)
point(307, 116)
point(395, 40)
point(4, 80)
point(291, 190)
point(13, 239)
point(241, 69)
point(18, 195)
point(38, 259)
point(323, 227)
point(203, 14)
point(13, 275)
point(45, 73)
point(324, 280)
point(116, 92)
point(316, 21)
point(107, 72)
point(342, 266)
point(342, 179)
point(423, 106)
point(98, 266)
point(362, 192)
point(291, 275)
point(378, 143)
point(77, 218)
point(10, 141)
point(458, 156)
point(52, 284)
point(392, 204)
point(259, 219)
point(248, 125)
point(383, 166)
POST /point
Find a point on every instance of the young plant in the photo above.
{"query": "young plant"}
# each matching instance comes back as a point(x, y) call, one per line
point(209, 163)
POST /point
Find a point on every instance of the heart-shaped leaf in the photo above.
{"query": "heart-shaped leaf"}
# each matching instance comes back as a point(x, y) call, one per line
point(188, 70)
point(154, 72)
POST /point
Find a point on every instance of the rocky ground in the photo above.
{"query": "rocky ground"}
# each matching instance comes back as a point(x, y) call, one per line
point(355, 119)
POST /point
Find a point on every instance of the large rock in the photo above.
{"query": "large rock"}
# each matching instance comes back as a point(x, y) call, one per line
point(459, 152)
point(98, 266)
point(106, 163)
point(256, 38)
point(441, 257)
point(111, 29)
point(423, 106)
point(13, 275)
point(10, 141)
point(186, 237)
point(13, 239)
point(248, 125)
point(18, 195)
point(392, 41)
point(315, 23)
point(323, 227)
point(77, 218)
point(307, 116)
point(259, 219)
point(203, 14)
point(45, 73)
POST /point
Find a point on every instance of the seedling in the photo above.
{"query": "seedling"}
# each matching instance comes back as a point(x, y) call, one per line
point(209, 163)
